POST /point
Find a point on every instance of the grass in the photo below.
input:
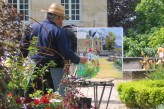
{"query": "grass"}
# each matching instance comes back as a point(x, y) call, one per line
point(107, 70)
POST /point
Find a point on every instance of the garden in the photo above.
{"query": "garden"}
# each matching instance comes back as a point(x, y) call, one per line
point(144, 34)
point(144, 39)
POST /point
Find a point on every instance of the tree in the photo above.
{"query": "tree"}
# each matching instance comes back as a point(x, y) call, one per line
point(121, 13)
point(149, 15)
point(156, 39)
point(133, 46)
point(147, 33)
point(110, 41)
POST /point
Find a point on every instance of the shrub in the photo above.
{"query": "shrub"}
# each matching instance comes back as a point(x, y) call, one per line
point(118, 64)
point(144, 94)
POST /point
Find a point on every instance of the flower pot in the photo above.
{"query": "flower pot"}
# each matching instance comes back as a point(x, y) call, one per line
point(84, 102)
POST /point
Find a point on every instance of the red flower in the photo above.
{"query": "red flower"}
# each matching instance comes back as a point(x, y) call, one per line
point(9, 94)
point(90, 50)
point(36, 101)
point(18, 100)
point(86, 41)
point(44, 100)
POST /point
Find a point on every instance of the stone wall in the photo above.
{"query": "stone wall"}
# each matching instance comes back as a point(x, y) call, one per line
point(37, 5)
point(132, 63)
point(94, 13)
point(132, 68)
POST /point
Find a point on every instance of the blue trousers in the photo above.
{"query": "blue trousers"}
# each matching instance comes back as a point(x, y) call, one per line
point(57, 75)
point(53, 78)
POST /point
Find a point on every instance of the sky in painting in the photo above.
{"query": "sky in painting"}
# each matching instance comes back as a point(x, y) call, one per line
point(101, 32)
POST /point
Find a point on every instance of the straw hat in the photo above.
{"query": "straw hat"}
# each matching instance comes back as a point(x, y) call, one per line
point(56, 9)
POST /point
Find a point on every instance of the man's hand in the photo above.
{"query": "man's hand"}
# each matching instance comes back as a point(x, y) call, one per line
point(83, 60)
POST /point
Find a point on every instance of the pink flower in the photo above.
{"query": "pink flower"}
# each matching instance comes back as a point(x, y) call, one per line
point(9, 94)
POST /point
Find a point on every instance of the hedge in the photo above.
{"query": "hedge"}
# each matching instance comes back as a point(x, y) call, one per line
point(143, 94)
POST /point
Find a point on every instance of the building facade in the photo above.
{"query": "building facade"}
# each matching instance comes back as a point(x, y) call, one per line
point(83, 13)
point(89, 44)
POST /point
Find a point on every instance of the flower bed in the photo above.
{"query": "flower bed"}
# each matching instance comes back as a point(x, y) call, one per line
point(88, 70)
point(37, 101)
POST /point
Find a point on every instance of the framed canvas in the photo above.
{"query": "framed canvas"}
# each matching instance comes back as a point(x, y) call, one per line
point(103, 46)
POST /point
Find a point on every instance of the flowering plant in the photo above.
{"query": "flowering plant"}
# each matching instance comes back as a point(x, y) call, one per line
point(88, 70)
point(36, 100)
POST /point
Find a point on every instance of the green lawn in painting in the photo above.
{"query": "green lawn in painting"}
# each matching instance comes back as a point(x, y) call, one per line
point(107, 70)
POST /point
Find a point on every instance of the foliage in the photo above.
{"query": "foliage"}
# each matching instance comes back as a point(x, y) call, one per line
point(110, 41)
point(147, 16)
point(158, 74)
point(121, 13)
point(144, 94)
point(147, 33)
point(118, 64)
point(134, 46)
point(140, 20)
point(156, 39)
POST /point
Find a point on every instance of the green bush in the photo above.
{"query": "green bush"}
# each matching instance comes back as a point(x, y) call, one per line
point(118, 64)
point(144, 94)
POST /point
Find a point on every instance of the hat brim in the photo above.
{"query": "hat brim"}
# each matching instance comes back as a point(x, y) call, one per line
point(44, 10)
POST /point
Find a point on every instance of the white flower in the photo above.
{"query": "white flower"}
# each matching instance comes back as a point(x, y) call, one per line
point(55, 100)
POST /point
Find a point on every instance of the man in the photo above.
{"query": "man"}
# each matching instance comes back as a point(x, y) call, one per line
point(69, 30)
point(53, 44)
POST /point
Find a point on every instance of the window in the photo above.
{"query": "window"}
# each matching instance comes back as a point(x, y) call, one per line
point(22, 7)
point(72, 9)
point(96, 42)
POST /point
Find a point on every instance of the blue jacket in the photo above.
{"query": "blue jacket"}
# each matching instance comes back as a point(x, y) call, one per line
point(52, 44)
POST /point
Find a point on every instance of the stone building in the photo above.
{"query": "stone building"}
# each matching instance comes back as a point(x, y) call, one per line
point(87, 44)
point(83, 13)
